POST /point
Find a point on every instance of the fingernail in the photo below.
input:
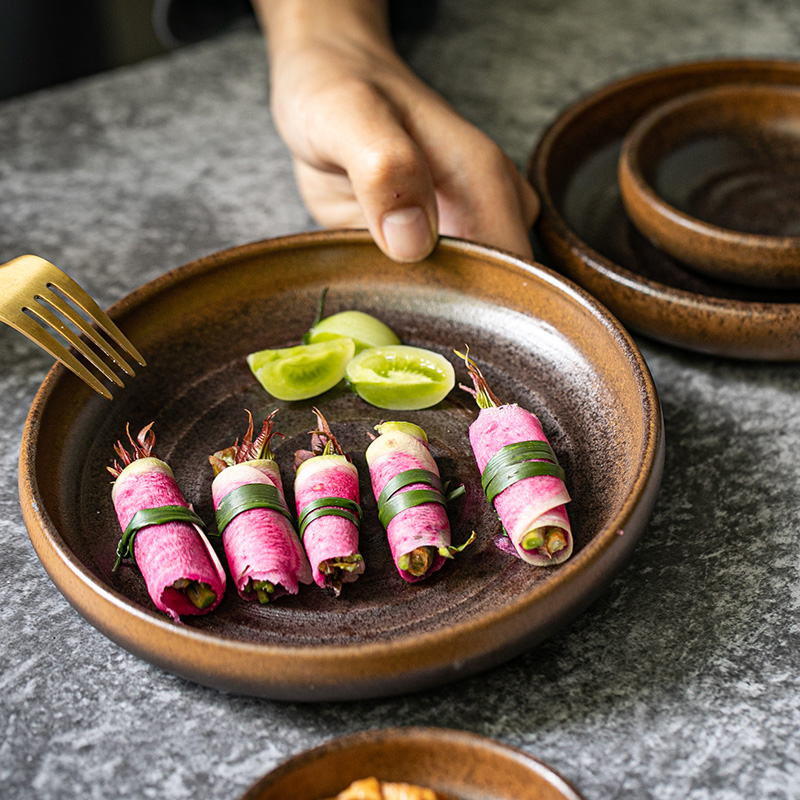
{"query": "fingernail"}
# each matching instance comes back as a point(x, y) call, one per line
point(408, 234)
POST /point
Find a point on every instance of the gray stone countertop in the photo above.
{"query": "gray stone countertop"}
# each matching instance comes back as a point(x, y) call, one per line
point(681, 681)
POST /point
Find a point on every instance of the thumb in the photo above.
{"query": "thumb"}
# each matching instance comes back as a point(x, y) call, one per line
point(389, 175)
point(394, 188)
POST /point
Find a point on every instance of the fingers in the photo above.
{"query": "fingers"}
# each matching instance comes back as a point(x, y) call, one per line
point(406, 171)
point(361, 141)
point(478, 192)
point(529, 201)
point(490, 203)
point(394, 188)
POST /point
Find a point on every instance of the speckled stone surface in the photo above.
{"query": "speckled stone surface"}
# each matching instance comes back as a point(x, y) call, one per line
point(682, 681)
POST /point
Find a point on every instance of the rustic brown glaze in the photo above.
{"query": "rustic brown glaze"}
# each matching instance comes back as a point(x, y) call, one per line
point(541, 341)
point(713, 178)
point(587, 234)
point(456, 764)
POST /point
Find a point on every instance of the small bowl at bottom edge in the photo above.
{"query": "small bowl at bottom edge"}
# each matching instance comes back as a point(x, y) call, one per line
point(457, 765)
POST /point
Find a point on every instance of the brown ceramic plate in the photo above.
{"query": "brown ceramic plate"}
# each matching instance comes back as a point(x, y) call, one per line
point(587, 235)
point(455, 764)
point(542, 342)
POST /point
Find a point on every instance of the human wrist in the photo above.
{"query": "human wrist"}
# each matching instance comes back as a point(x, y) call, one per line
point(289, 25)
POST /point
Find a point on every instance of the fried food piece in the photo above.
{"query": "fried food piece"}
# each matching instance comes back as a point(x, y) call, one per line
point(373, 789)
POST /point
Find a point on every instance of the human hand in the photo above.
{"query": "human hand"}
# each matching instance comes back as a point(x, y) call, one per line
point(374, 147)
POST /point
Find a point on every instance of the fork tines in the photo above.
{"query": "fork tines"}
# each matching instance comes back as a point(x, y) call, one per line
point(47, 300)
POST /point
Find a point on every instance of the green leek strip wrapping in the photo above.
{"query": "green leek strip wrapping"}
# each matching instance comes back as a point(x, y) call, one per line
point(329, 506)
point(391, 501)
point(250, 495)
point(403, 479)
point(511, 464)
point(145, 517)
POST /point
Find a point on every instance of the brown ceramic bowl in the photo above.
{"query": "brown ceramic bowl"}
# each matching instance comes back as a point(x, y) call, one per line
point(541, 341)
point(713, 178)
point(455, 764)
point(586, 233)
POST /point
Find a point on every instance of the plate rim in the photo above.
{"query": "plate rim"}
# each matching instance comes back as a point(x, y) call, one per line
point(54, 552)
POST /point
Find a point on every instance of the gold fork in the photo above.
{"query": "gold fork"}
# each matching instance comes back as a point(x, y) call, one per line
point(32, 296)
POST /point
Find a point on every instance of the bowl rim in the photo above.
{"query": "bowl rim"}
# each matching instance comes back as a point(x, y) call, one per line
point(637, 189)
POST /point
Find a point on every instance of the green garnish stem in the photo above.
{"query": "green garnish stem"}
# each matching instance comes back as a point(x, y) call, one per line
point(263, 590)
point(484, 396)
point(199, 594)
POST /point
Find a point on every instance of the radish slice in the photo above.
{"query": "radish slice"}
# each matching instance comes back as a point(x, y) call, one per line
point(329, 515)
point(163, 535)
point(411, 501)
point(520, 475)
point(264, 554)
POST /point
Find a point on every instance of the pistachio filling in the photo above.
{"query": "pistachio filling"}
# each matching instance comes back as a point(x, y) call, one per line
point(263, 590)
point(418, 561)
point(548, 540)
point(199, 594)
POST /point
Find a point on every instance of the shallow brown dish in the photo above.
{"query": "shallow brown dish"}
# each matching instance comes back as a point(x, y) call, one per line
point(588, 236)
point(713, 178)
point(541, 341)
point(456, 764)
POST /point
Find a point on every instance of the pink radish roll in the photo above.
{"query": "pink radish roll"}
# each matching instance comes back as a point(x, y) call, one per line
point(264, 555)
point(520, 476)
point(327, 499)
point(417, 527)
point(180, 568)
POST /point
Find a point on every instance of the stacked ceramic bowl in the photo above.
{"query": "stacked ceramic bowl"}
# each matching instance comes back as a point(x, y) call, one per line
point(713, 178)
point(673, 196)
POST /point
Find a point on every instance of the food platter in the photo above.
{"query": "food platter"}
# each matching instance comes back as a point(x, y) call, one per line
point(586, 234)
point(541, 341)
point(455, 764)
